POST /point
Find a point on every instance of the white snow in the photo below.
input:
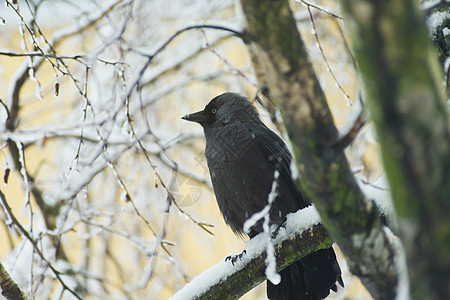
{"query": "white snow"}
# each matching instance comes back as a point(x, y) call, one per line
point(380, 193)
point(446, 31)
point(296, 222)
point(205, 280)
point(428, 4)
point(435, 20)
point(401, 266)
point(271, 262)
point(301, 220)
point(355, 112)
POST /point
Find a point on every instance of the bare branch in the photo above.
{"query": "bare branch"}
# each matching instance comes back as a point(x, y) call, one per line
point(25, 233)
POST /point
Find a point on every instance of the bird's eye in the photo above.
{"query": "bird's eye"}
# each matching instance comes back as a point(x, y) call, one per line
point(213, 110)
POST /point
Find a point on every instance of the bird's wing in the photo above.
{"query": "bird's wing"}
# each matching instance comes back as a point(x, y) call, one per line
point(276, 152)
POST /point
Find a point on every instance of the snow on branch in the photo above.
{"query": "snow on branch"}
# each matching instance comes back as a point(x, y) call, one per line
point(301, 235)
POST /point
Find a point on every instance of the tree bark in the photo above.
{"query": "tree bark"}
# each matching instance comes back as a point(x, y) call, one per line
point(10, 289)
point(406, 100)
point(288, 81)
point(250, 272)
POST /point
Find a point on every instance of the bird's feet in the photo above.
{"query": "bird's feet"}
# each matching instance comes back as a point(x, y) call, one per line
point(234, 258)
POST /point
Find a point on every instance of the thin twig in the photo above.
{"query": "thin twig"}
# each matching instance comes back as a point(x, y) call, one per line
point(320, 8)
point(347, 138)
point(188, 28)
point(347, 96)
point(35, 246)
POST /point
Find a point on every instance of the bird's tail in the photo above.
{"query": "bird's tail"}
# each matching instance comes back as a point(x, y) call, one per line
point(310, 278)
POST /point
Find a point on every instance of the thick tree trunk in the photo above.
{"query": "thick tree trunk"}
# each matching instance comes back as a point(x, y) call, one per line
point(288, 81)
point(405, 95)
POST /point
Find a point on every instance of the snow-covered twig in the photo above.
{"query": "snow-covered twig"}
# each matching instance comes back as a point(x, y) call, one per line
point(36, 248)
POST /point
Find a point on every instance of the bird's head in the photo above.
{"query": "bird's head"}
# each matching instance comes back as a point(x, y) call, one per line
point(223, 109)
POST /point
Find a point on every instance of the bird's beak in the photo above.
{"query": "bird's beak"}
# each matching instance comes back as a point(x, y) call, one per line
point(198, 117)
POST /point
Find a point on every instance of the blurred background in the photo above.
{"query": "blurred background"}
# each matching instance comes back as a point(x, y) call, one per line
point(110, 184)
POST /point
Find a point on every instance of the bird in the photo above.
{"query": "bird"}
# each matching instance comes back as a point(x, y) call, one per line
point(243, 155)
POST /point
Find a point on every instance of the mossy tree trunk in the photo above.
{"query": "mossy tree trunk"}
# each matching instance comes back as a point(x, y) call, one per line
point(405, 95)
point(288, 81)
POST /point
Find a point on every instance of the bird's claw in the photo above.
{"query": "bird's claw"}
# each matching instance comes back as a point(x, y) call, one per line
point(234, 258)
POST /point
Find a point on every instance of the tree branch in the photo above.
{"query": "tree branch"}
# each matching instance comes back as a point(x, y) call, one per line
point(348, 136)
point(228, 281)
point(25, 233)
point(188, 28)
point(10, 289)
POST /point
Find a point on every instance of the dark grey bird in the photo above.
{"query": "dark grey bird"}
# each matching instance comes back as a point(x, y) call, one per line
point(243, 156)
